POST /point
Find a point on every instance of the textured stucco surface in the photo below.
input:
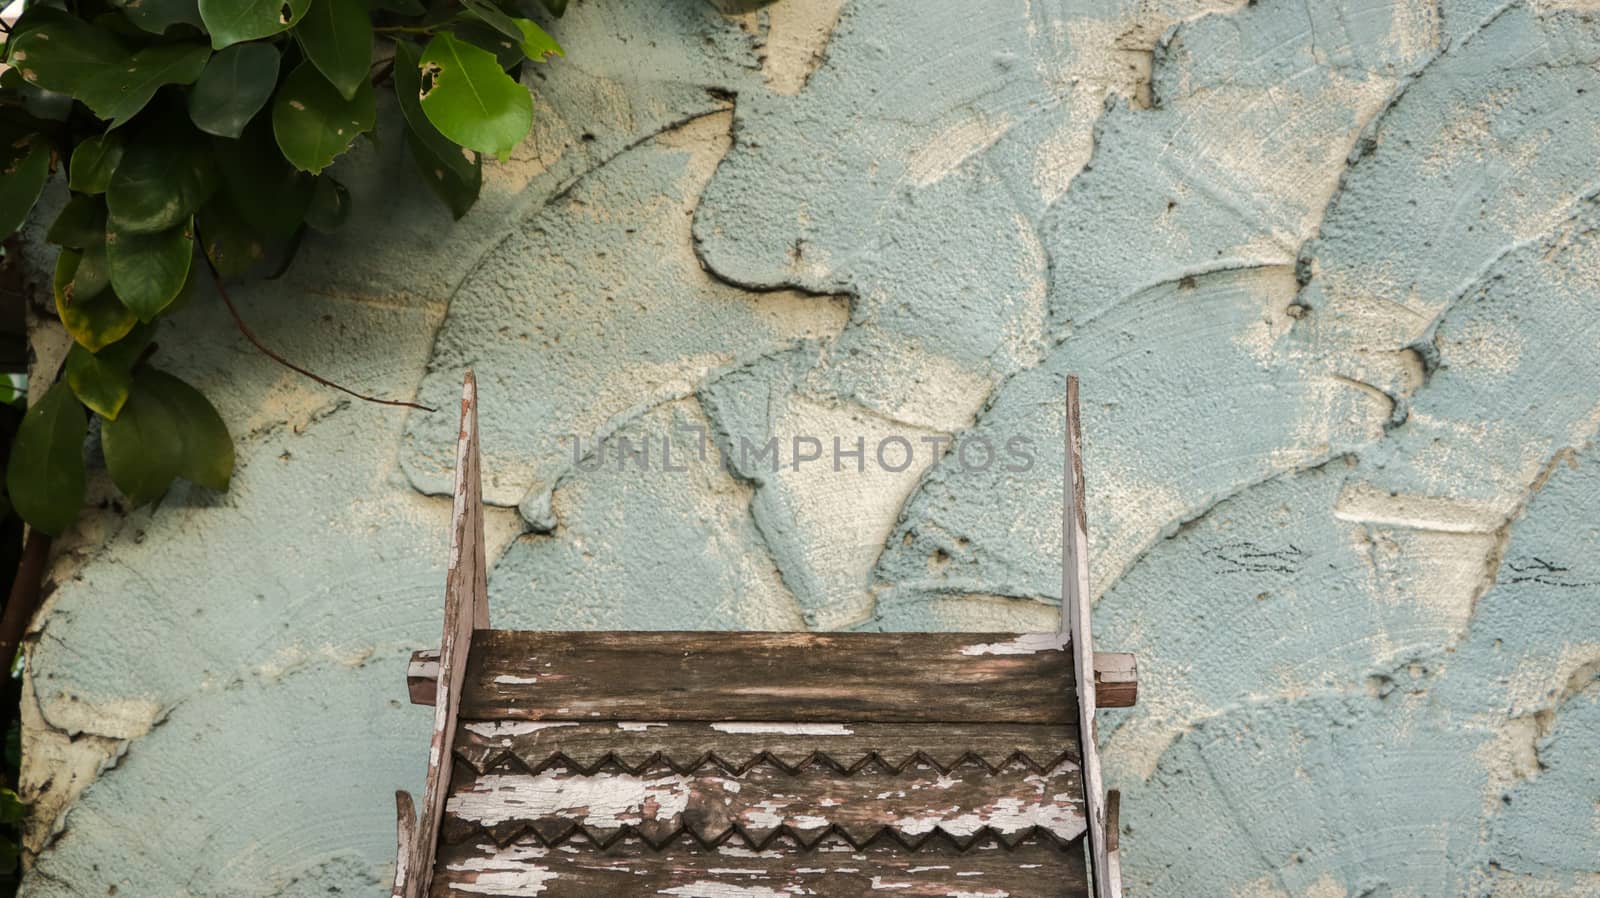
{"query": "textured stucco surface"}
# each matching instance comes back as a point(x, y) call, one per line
point(1328, 272)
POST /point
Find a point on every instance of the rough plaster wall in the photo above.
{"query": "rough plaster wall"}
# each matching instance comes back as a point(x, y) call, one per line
point(1328, 272)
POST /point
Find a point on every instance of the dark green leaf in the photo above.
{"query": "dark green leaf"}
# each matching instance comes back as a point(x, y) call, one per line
point(456, 179)
point(459, 194)
point(98, 384)
point(94, 162)
point(227, 239)
point(232, 21)
point(471, 100)
point(166, 430)
point(156, 16)
point(207, 457)
point(165, 175)
point(269, 192)
point(94, 270)
point(101, 380)
point(314, 123)
point(74, 57)
point(336, 36)
point(475, 32)
point(45, 105)
point(557, 8)
point(233, 88)
point(45, 476)
point(21, 182)
point(95, 319)
point(34, 15)
point(148, 271)
point(330, 205)
point(80, 223)
point(143, 448)
point(527, 37)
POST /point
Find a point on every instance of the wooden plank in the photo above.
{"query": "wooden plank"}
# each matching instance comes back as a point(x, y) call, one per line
point(686, 747)
point(765, 802)
point(1076, 618)
point(824, 677)
point(466, 606)
point(406, 839)
point(833, 870)
point(1116, 678)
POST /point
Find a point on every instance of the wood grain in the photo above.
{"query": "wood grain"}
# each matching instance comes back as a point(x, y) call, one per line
point(1116, 678)
point(833, 870)
point(686, 747)
point(1076, 621)
point(826, 677)
point(765, 802)
point(466, 608)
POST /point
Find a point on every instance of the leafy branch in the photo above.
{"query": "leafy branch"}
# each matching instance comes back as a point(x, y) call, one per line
point(208, 126)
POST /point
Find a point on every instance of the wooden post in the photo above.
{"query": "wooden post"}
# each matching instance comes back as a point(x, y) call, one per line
point(466, 608)
point(1075, 620)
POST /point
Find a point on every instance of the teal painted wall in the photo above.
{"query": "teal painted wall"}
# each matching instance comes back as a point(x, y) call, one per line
point(1328, 272)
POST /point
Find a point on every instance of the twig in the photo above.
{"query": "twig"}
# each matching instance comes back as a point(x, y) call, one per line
point(238, 320)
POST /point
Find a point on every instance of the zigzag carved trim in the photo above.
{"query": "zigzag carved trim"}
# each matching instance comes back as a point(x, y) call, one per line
point(457, 831)
point(487, 762)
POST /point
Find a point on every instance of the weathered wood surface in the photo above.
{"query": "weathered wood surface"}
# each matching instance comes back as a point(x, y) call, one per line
point(1075, 621)
point(1116, 678)
point(466, 608)
point(765, 802)
point(405, 813)
point(833, 870)
point(827, 677)
point(688, 747)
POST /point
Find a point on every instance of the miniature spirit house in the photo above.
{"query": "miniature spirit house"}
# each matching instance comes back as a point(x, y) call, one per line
point(760, 765)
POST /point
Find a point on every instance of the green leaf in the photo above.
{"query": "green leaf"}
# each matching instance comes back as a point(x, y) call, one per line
point(330, 205)
point(456, 179)
point(95, 319)
point(165, 175)
point(45, 105)
point(80, 223)
point(148, 271)
point(101, 380)
point(266, 190)
point(232, 21)
point(530, 40)
point(166, 429)
point(12, 810)
point(207, 448)
point(505, 50)
point(94, 270)
point(156, 16)
point(537, 44)
point(314, 123)
point(101, 386)
point(46, 474)
point(557, 8)
point(467, 96)
point(21, 183)
point(227, 239)
point(94, 162)
point(233, 88)
point(336, 36)
point(74, 57)
point(142, 446)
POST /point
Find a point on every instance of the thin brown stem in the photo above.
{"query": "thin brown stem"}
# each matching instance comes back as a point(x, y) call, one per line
point(238, 320)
